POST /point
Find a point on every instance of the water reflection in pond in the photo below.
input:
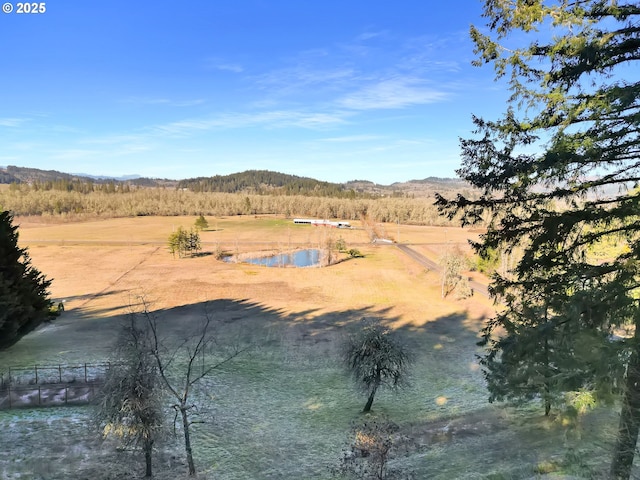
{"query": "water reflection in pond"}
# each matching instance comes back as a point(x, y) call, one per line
point(300, 258)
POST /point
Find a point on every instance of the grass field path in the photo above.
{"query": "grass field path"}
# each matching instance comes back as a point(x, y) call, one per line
point(115, 282)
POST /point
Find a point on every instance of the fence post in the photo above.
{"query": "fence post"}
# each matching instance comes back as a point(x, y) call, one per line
point(36, 368)
point(85, 373)
point(39, 396)
point(60, 373)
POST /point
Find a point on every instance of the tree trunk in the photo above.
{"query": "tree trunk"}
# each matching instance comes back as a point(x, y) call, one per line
point(629, 415)
point(187, 441)
point(367, 407)
point(148, 446)
point(547, 386)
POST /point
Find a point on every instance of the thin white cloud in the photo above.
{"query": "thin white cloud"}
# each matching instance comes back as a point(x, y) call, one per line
point(163, 101)
point(74, 154)
point(363, 37)
point(301, 77)
point(12, 122)
point(352, 138)
point(230, 67)
point(396, 92)
point(269, 119)
point(218, 63)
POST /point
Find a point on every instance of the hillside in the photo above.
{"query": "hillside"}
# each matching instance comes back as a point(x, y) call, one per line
point(265, 182)
point(257, 182)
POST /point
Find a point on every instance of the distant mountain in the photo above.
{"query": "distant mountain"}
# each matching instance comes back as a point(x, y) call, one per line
point(430, 185)
point(25, 175)
point(250, 181)
point(13, 174)
point(123, 178)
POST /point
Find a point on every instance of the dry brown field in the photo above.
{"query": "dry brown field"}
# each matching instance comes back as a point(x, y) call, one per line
point(97, 264)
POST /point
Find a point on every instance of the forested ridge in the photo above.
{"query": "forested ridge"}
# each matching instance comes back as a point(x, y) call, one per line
point(267, 182)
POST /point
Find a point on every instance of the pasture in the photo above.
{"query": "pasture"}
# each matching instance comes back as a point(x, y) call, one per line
point(284, 408)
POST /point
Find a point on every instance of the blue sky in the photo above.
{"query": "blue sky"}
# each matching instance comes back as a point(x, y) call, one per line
point(334, 90)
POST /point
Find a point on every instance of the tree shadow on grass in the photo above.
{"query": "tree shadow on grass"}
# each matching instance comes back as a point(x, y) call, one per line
point(433, 413)
point(90, 332)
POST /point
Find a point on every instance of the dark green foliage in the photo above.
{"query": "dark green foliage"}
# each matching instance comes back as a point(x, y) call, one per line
point(184, 243)
point(265, 182)
point(24, 296)
point(572, 86)
point(543, 352)
point(375, 357)
point(488, 262)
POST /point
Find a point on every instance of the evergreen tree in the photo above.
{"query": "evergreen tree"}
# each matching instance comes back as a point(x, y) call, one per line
point(575, 101)
point(183, 242)
point(375, 357)
point(201, 223)
point(24, 298)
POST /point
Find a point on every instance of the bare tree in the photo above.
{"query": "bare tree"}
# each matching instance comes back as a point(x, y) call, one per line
point(453, 262)
point(181, 367)
point(130, 403)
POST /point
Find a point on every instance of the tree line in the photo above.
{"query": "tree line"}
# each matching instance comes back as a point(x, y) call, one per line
point(23, 200)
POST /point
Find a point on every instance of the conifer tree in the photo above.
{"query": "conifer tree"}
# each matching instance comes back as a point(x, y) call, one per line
point(375, 358)
point(24, 298)
point(557, 174)
point(201, 223)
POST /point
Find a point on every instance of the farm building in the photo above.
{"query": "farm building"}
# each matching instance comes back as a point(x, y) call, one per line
point(321, 223)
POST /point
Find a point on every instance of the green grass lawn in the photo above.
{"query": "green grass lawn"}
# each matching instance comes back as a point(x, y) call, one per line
point(284, 410)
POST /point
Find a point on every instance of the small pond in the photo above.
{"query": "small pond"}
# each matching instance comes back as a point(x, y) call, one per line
point(300, 258)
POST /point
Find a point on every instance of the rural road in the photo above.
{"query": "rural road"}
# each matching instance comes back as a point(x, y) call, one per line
point(431, 265)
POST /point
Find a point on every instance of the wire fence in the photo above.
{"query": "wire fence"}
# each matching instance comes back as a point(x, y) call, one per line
point(51, 385)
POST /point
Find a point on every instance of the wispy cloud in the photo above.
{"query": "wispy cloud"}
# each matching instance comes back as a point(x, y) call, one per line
point(268, 119)
point(396, 92)
point(302, 77)
point(163, 101)
point(363, 37)
point(230, 67)
point(12, 122)
point(218, 63)
point(74, 154)
point(352, 138)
